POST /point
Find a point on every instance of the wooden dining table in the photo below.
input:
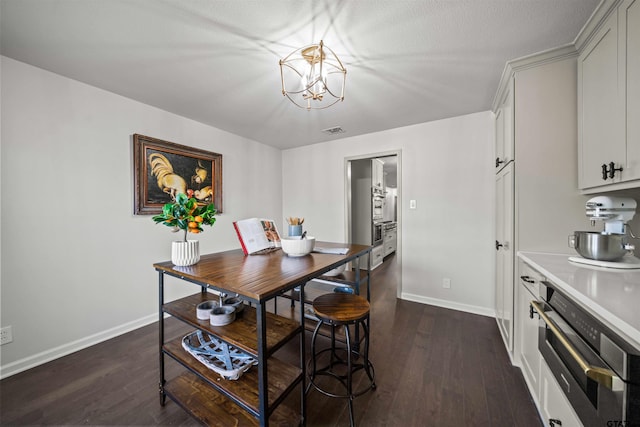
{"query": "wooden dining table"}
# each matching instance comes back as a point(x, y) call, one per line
point(255, 279)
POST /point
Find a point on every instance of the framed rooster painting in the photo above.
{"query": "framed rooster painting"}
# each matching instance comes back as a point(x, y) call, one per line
point(163, 169)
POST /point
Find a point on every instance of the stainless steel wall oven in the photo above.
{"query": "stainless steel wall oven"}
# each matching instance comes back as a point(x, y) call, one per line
point(598, 370)
point(377, 233)
point(377, 208)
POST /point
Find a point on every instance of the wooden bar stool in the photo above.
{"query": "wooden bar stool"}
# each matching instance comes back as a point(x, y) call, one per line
point(335, 310)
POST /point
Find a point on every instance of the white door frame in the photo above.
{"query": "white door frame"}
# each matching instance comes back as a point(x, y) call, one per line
point(347, 202)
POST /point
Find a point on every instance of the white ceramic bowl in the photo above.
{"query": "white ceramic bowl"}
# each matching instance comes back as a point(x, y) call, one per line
point(236, 303)
point(222, 315)
point(294, 246)
point(203, 310)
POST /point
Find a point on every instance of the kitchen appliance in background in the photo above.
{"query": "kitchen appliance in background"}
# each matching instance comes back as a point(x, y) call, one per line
point(390, 210)
point(377, 233)
point(377, 213)
point(367, 202)
point(361, 202)
point(598, 370)
point(609, 248)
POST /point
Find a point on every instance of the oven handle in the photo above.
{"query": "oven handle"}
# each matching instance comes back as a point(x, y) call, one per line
point(601, 375)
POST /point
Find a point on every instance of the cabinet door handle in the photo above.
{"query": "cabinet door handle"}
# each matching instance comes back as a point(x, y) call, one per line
point(554, 422)
point(498, 161)
point(613, 169)
point(609, 171)
point(527, 279)
point(498, 245)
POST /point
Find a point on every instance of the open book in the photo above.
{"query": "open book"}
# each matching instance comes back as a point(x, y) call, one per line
point(257, 235)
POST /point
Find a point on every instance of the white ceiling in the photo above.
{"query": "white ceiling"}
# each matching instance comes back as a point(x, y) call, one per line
point(216, 61)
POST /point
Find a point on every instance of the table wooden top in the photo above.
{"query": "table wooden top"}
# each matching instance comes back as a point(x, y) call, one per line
point(261, 277)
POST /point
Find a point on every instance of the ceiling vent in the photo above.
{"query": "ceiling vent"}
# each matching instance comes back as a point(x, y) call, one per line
point(333, 131)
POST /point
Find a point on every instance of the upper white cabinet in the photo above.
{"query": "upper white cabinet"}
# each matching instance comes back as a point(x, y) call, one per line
point(629, 27)
point(609, 103)
point(377, 173)
point(504, 139)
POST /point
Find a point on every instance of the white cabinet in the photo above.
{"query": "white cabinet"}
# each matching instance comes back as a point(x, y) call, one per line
point(504, 119)
point(554, 406)
point(505, 252)
point(504, 149)
point(609, 103)
point(600, 140)
point(377, 173)
point(377, 256)
point(536, 197)
point(629, 28)
point(389, 241)
point(526, 345)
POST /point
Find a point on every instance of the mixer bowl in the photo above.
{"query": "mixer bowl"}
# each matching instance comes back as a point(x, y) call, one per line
point(598, 246)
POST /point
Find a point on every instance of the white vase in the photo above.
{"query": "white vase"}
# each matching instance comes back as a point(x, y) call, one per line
point(185, 253)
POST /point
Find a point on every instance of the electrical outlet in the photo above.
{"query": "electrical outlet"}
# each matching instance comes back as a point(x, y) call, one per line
point(446, 283)
point(412, 204)
point(6, 336)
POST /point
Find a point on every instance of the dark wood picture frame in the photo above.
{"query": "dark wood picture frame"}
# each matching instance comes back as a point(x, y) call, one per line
point(162, 169)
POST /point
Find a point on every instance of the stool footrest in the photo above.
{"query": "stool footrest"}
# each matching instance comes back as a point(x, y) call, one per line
point(341, 310)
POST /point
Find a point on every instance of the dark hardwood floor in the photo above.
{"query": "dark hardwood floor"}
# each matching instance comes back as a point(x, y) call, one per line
point(434, 367)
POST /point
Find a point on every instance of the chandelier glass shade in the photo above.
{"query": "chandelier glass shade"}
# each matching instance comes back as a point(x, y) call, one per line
point(313, 77)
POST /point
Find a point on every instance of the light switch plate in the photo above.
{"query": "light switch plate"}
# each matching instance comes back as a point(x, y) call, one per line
point(412, 204)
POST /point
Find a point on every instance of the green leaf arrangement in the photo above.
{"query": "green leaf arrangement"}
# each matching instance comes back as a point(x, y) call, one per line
point(185, 214)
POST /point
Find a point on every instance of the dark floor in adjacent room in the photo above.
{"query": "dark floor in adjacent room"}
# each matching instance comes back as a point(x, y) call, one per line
point(434, 367)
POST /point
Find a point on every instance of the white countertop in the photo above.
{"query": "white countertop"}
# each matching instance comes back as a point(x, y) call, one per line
point(613, 296)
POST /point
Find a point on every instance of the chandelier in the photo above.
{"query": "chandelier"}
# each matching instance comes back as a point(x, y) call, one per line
point(314, 77)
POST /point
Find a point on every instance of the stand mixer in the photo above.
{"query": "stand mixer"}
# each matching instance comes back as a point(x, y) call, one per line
point(610, 247)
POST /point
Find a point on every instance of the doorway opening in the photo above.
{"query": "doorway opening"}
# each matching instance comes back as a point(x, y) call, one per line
point(373, 216)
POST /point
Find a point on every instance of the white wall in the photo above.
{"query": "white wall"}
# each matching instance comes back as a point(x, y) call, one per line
point(76, 263)
point(446, 166)
point(548, 204)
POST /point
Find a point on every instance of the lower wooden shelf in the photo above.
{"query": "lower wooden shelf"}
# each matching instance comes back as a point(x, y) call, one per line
point(242, 331)
point(212, 408)
point(283, 377)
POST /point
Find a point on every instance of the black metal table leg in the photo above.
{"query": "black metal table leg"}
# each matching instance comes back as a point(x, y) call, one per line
point(261, 323)
point(163, 396)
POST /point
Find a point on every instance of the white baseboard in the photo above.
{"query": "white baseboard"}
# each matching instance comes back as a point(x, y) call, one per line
point(65, 349)
point(483, 311)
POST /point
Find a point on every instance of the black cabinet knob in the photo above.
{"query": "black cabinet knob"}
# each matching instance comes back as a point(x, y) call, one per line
point(609, 171)
point(498, 245)
point(613, 169)
point(498, 161)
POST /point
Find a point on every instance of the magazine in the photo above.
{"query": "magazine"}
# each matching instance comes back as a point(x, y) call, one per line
point(257, 235)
